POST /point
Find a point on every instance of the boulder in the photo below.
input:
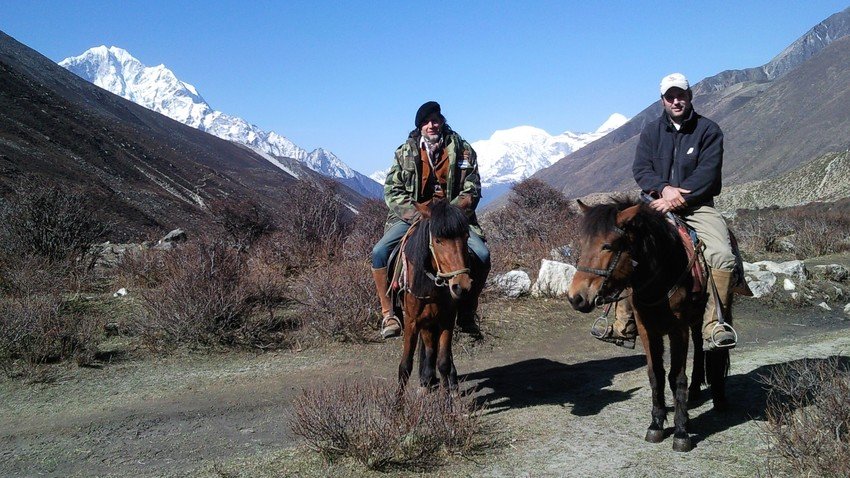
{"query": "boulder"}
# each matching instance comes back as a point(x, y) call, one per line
point(513, 284)
point(554, 279)
point(796, 269)
point(761, 282)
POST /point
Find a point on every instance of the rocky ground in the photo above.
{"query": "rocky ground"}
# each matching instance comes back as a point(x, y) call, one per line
point(559, 404)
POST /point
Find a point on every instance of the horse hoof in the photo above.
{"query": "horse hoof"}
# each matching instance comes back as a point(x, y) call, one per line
point(654, 436)
point(682, 444)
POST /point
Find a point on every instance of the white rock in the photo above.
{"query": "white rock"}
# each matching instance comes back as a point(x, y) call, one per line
point(788, 284)
point(513, 284)
point(824, 306)
point(554, 279)
point(789, 268)
point(847, 308)
point(120, 292)
point(795, 295)
point(750, 267)
point(761, 282)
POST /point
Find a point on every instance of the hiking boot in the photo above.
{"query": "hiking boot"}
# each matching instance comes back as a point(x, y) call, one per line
point(390, 327)
point(717, 334)
point(623, 332)
point(609, 335)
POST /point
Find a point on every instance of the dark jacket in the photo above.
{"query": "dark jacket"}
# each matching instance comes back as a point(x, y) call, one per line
point(690, 158)
point(402, 186)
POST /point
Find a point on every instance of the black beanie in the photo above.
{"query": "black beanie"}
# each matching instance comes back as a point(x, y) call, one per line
point(426, 110)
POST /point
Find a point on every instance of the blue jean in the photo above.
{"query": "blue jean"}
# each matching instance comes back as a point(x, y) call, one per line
point(393, 235)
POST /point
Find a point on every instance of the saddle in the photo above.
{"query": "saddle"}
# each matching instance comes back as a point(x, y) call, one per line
point(693, 247)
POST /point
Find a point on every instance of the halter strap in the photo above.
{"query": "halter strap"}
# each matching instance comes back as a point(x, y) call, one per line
point(442, 278)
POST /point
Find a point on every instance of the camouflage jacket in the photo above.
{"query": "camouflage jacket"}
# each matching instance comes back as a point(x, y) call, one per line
point(403, 183)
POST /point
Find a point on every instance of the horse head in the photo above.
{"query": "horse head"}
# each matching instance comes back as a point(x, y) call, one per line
point(448, 229)
point(605, 264)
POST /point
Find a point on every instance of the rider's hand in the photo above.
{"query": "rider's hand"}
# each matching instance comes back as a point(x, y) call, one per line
point(673, 197)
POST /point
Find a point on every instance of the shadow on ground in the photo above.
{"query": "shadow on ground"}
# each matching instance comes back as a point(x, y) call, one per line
point(545, 382)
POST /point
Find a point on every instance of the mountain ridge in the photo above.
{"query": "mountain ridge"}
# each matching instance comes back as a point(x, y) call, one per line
point(158, 88)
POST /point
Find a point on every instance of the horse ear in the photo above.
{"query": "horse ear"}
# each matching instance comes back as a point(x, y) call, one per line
point(626, 216)
point(582, 206)
point(423, 209)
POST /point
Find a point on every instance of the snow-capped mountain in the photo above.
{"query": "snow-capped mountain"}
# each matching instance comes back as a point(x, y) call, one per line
point(512, 155)
point(158, 89)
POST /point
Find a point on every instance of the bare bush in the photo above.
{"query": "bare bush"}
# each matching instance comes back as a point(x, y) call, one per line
point(314, 221)
point(536, 220)
point(796, 231)
point(50, 222)
point(201, 299)
point(139, 268)
point(244, 221)
point(367, 230)
point(380, 429)
point(38, 325)
point(337, 300)
point(808, 417)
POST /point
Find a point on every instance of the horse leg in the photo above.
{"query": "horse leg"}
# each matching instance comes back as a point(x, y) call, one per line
point(717, 365)
point(405, 366)
point(427, 365)
point(445, 362)
point(654, 348)
point(679, 385)
point(698, 372)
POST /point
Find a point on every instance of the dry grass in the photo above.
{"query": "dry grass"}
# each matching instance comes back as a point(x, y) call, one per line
point(381, 429)
point(808, 418)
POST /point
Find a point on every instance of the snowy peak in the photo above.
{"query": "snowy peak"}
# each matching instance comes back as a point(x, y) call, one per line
point(514, 154)
point(158, 88)
point(613, 122)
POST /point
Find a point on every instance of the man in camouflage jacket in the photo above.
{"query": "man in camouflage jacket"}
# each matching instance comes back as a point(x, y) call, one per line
point(433, 162)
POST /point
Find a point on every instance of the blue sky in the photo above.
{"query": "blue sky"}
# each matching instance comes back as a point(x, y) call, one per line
point(349, 76)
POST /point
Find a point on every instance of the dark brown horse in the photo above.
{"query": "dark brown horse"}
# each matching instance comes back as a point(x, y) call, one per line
point(627, 244)
point(437, 276)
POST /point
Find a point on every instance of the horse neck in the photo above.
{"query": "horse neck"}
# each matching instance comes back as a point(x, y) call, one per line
point(658, 253)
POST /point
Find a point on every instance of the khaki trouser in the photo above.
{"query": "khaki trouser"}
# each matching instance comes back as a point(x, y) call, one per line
point(713, 233)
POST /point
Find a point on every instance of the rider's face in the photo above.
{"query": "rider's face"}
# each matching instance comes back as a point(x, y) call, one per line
point(676, 103)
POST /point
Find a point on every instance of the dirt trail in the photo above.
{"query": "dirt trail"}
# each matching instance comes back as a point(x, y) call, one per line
point(561, 404)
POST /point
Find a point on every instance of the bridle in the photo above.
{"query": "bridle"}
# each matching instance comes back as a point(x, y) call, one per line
point(606, 274)
point(442, 278)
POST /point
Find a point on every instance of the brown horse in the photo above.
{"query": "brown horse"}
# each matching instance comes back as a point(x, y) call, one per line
point(437, 276)
point(628, 244)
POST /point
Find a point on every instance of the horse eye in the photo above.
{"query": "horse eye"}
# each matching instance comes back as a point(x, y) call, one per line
point(438, 240)
point(607, 247)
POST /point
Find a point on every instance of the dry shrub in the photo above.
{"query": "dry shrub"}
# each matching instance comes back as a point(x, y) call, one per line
point(337, 300)
point(808, 417)
point(139, 268)
point(51, 222)
point(313, 222)
point(799, 231)
point(536, 220)
point(367, 230)
point(202, 299)
point(377, 427)
point(37, 325)
point(245, 221)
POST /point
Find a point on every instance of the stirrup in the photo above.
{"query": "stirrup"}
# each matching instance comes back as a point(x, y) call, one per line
point(718, 328)
point(604, 332)
point(390, 327)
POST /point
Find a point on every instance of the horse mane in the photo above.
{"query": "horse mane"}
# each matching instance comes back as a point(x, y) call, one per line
point(447, 221)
